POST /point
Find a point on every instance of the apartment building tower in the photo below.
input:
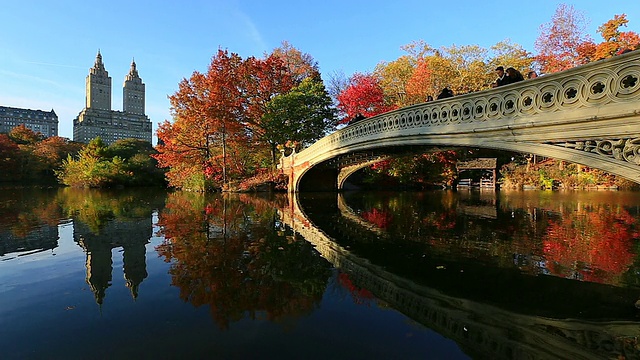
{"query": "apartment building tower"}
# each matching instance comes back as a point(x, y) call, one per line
point(98, 119)
point(44, 122)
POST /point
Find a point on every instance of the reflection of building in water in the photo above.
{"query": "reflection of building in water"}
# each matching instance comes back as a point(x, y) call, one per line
point(40, 238)
point(132, 235)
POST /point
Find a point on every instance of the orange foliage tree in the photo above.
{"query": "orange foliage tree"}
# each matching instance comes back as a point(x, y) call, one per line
point(27, 156)
point(299, 65)
point(616, 41)
point(203, 142)
point(8, 158)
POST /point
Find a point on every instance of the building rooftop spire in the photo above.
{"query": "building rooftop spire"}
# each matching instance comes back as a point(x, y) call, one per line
point(133, 72)
point(98, 64)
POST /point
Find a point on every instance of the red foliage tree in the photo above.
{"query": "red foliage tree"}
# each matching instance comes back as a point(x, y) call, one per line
point(265, 79)
point(363, 96)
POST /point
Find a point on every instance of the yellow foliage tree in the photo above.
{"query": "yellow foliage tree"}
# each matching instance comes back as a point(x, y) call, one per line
point(393, 79)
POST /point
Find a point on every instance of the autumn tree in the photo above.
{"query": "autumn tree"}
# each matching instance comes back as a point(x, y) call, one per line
point(52, 151)
point(363, 96)
point(508, 54)
point(299, 65)
point(560, 40)
point(208, 110)
point(302, 115)
point(393, 77)
point(28, 165)
point(264, 79)
point(616, 41)
point(24, 136)
point(462, 69)
point(275, 76)
point(469, 67)
point(432, 74)
point(9, 152)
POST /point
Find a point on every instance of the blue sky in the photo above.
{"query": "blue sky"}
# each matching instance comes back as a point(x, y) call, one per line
point(47, 47)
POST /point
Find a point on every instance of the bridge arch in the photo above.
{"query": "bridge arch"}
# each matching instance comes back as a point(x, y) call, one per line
point(588, 115)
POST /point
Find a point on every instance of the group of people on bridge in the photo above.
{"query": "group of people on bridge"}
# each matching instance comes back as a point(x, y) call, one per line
point(505, 77)
point(510, 76)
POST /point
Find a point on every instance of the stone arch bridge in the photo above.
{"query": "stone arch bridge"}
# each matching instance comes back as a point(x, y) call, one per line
point(588, 115)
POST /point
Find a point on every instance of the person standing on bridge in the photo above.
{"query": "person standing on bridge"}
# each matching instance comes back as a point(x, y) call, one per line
point(445, 93)
point(502, 77)
point(513, 76)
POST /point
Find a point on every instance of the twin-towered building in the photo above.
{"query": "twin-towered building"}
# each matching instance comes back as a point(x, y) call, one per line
point(97, 118)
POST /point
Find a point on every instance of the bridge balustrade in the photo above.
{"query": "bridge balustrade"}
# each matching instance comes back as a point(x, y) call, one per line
point(593, 108)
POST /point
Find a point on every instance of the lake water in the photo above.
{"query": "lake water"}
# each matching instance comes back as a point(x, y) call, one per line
point(136, 274)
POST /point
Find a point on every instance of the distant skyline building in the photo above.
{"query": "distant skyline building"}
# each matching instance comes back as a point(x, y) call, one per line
point(44, 122)
point(97, 118)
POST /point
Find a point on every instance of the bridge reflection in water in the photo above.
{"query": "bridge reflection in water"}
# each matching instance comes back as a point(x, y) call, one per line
point(479, 324)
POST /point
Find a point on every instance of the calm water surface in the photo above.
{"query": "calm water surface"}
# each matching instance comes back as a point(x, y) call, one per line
point(433, 275)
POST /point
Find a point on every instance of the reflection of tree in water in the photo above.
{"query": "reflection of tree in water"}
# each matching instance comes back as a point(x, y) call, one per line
point(359, 294)
point(539, 235)
point(379, 218)
point(594, 243)
point(28, 220)
point(96, 208)
point(230, 253)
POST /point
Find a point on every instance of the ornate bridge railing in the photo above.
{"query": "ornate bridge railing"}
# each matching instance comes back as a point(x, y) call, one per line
point(589, 115)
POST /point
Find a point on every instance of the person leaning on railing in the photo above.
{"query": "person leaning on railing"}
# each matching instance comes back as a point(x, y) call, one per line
point(513, 76)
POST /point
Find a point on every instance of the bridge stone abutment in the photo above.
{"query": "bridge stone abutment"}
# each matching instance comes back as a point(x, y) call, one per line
point(588, 115)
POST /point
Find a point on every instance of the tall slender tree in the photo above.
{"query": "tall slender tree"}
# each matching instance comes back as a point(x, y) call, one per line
point(560, 39)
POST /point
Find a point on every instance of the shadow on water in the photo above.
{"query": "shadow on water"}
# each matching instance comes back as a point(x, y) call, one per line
point(497, 272)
